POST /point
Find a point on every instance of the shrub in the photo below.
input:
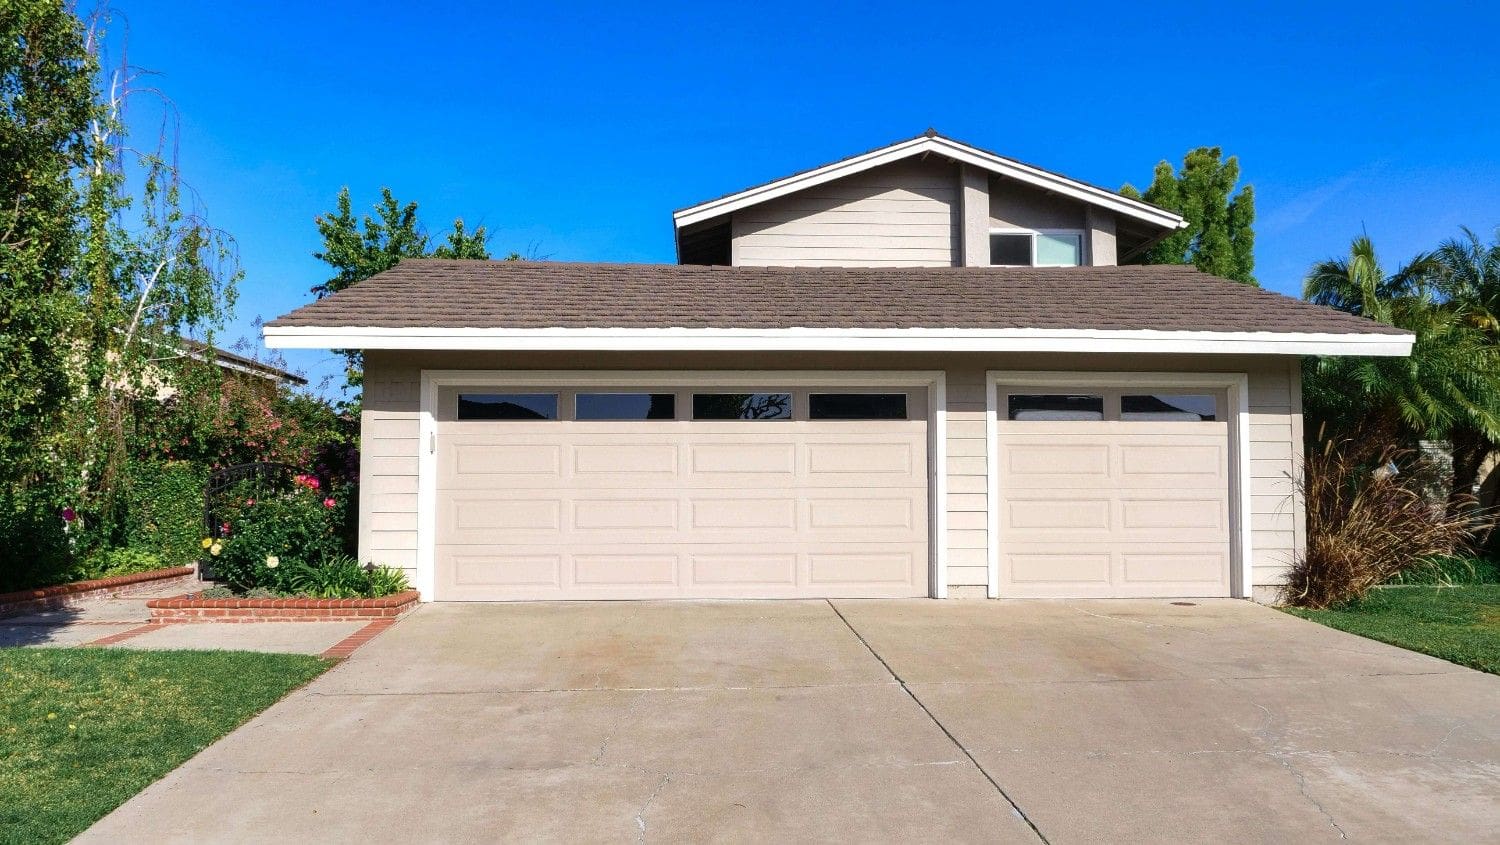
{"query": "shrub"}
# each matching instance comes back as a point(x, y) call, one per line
point(386, 581)
point(1366, 525)
point(165, 510)
point(339, 577)
point(275, 531)
point(121, 562)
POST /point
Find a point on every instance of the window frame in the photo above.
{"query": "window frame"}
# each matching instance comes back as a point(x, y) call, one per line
point(1083, 255)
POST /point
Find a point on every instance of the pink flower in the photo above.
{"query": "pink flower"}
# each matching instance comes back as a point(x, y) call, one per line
point(68, 514)
point(249, 502)
point(328, 503)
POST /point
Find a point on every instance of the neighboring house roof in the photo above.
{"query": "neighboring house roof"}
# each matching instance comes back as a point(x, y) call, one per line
point(436, 304)
point(927, 143)
point(240, 363)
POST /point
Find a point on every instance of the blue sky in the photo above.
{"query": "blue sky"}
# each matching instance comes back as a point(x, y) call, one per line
point(572, 130)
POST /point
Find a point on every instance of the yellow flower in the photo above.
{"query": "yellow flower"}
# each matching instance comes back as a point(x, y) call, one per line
point(215, 549)
point(51, 716)
point(207, 541)
point(72, 727)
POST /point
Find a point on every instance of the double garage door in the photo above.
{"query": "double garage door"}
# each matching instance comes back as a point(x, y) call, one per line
point(799, 492)
point(664, 492)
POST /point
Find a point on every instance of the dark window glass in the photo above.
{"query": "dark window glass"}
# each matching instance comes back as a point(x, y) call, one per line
point(1010, 250)
point(857, 406)
point(507, 406)
point(1055, 406)
point(1167, 406)
point(742, 406)
point(626, 406)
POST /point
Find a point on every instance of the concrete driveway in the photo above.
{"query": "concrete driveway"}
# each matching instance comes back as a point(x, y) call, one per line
point(853, 721)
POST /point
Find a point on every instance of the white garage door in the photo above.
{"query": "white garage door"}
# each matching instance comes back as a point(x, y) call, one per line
point(1113, 493)
point(660, 492)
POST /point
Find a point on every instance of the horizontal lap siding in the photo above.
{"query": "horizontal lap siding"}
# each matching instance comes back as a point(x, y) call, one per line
point(900, 215)
point(1277, 521)
point(968, 519)
point(389, 449)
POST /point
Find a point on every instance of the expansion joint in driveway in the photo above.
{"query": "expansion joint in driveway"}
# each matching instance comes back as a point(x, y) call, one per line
point(1014, 807)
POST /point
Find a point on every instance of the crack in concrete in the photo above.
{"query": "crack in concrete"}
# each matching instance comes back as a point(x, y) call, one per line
point(614, 726)
point(1014, 807)
point(640, 815)
point(1266, 733)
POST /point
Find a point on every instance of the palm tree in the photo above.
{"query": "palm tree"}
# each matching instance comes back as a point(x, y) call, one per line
point(1467, 272)
point(1448, 389)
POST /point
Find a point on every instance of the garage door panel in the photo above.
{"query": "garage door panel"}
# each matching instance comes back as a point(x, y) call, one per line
point(1168, 463)
point(636, 461)
point(773, 571)
point(731, 461)
point(1042, 564)
point(488, 513)
point(1188, 564)
point(483, 569)
point(1039, 462)
point(1032, 511)
point(617, 570)
point(632, 515)
point(741, 513)
point(1179, 513)
point(865, 568)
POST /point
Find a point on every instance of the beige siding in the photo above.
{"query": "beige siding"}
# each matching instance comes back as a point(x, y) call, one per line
point(1014, 205)
point(1276, 514)
point(390, 446)
point(899, 215)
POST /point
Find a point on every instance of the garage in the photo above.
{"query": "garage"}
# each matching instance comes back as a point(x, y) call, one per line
point(1113, 491)
point(670, 489)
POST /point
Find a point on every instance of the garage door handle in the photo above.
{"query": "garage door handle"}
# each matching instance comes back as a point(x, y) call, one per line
point(432, 443)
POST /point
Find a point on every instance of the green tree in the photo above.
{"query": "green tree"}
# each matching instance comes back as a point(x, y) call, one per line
point(1448, 389)
point(46, 102)
point(358, 248)
point(1219, 238)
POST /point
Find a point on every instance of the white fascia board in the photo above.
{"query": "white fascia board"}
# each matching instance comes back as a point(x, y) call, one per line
point(942, 146)
point(839, 340)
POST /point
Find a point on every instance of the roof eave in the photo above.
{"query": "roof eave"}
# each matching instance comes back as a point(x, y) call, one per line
point(1000, 165)
point(840, 340)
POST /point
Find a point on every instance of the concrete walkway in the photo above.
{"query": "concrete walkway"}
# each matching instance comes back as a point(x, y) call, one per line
point(121, 622)
point(852, 721)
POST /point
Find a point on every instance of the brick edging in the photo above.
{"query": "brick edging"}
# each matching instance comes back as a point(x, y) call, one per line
point(63, 595)
point(190, 608)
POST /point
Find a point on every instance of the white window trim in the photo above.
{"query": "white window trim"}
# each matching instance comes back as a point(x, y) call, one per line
point(934, 381)
point(1237, 389)
point(1083, 245)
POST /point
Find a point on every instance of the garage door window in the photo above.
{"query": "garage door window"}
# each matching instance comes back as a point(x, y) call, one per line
point(1166, 407)
point(507, 406)
point(625, 406)
point(1052, 407)
point(742, 406)
point(856, 406)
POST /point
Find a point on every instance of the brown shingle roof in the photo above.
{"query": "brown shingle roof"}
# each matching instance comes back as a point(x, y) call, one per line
point(543, 294)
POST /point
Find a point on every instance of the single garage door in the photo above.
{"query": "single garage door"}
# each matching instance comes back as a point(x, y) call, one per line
point(1113, 493)
point(661, 492)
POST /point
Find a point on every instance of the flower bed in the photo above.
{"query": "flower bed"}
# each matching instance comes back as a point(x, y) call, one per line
point(67, 595)
point(194, 608)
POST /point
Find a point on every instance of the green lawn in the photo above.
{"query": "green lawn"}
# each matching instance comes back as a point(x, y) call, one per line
point(1459, 623)
point(83, 729)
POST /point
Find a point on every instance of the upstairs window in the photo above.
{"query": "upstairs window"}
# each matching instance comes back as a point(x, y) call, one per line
point(1036, 249)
